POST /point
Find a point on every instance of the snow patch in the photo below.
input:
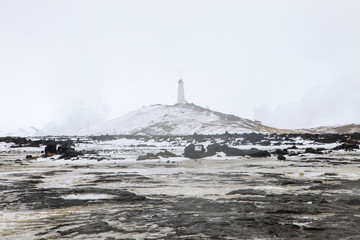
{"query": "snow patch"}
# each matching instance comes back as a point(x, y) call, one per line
point(88, 196)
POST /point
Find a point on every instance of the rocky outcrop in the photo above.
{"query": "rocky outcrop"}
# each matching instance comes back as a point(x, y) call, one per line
point(191, 151)
point(313, 151)
point(229, 151)
point(51, 148)
point(64, 150)
point(257, 153)
point(347, 147)
point(163, 154)
point(147, 156)
point(166, 154)
point(196, 151)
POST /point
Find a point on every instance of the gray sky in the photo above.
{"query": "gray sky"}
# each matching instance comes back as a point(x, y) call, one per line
point(287, 63)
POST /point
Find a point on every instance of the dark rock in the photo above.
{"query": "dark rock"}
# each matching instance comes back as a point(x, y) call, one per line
point(347, 147)
point(30, 157)
point(166, 154)
point(50, 148)
point(214, 148)
point(229, 151)
point(354, 202)
point(288, 182)
point(247, 192)
point(293, 153)
point(196, 151)
point(147, 156)
point(142, 145)
point(67, 152)
point(142, 157)
point(257, 153)
point(64, 148)
point(233, 151)
point(253, 137)
point(280, 151)
point(70, 154)
point(281, 157)
point(293, 147)
point(330, 174)
point(311, 150)
point(265, 143)
point(20, 141)
point(34, 144)
point(51, 198)
point(91, 228)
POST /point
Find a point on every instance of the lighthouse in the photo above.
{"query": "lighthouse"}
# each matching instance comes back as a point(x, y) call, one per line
point(181, 95)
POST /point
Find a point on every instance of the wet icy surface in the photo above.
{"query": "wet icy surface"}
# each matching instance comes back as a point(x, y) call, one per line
point(110, 195)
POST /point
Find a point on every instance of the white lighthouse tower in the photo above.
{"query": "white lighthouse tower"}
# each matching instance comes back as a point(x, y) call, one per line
point(181, 95)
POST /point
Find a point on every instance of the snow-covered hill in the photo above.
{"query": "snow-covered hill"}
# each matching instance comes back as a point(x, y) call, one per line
point(339, 129)
point(178, 119)
point(25, 132)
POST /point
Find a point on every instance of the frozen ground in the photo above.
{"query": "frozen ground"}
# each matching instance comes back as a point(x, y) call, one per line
point(108, 194)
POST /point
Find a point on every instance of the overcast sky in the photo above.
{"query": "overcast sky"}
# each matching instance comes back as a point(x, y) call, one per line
point(289, 64)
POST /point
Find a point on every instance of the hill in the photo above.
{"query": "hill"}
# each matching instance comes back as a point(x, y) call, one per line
point(178, 119)
point(340, 129)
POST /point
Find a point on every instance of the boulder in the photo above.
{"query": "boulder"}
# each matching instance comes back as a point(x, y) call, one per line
point(147, 156)
point(50, 148)
point(265, 143)
point(281, 157)
point(311, 150)
point(214, 148)
point(195, 151)
point(67, 151)
point(166, 154)
point(257, 153)
point(198, 151)
point(232, 151)
point(30, 157)
point(142, 157)
point(280, 152)
point(347, 147)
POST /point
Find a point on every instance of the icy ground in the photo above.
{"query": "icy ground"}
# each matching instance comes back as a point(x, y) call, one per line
point(108, 194)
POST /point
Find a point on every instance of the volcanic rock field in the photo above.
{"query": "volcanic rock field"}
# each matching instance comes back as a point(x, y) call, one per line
point(137, 187)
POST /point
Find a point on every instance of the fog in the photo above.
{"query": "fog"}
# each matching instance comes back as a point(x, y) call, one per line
point(324, 104)
point(69, 64)
point(80, 116)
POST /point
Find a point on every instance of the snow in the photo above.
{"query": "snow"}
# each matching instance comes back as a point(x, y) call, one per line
point(180, 119)
point(5, 146)
point(88, 196)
